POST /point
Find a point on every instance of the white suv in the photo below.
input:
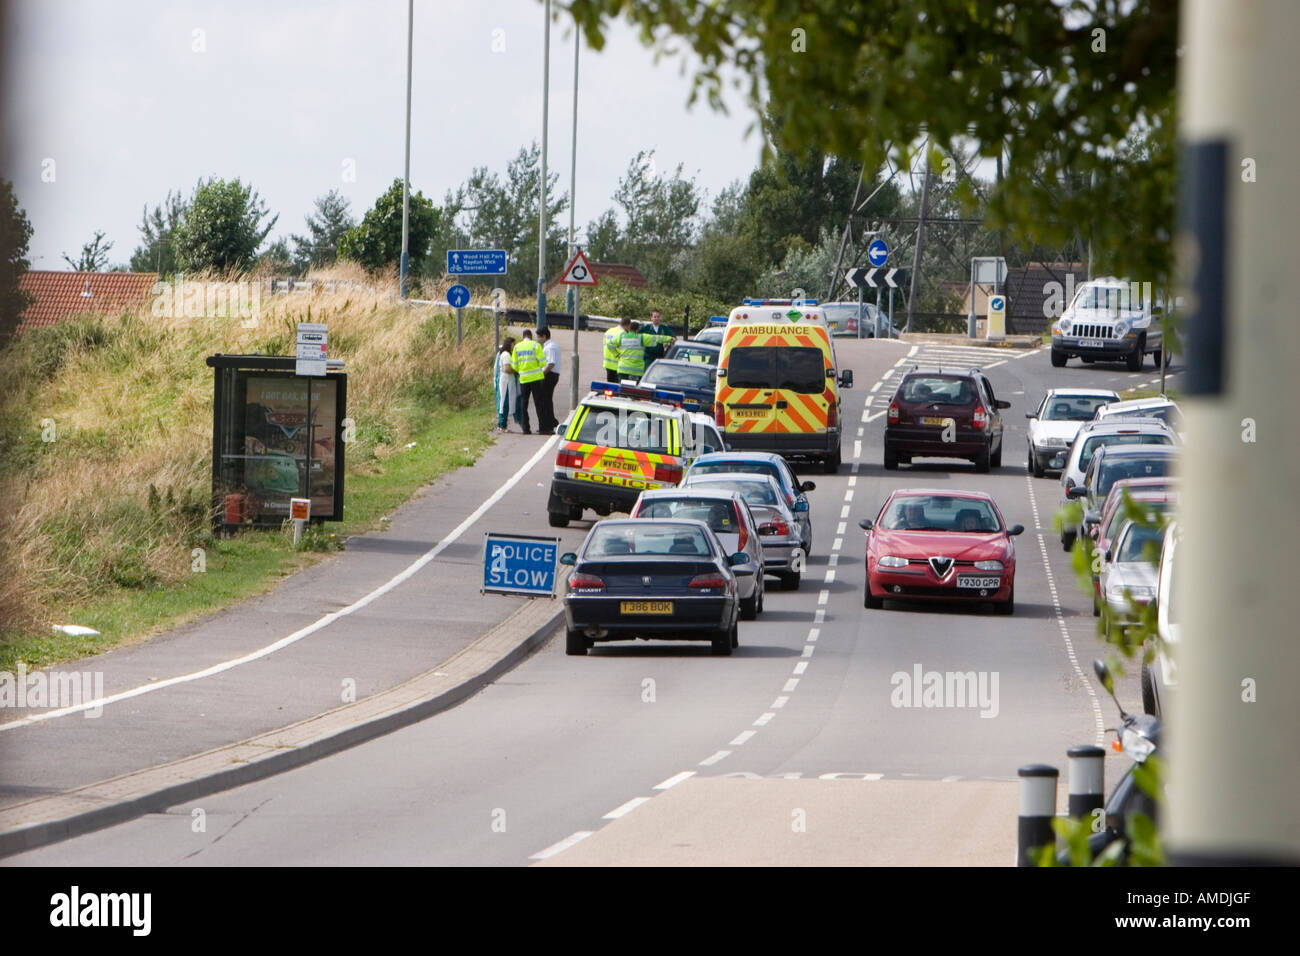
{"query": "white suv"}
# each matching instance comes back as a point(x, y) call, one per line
point(1109, 320)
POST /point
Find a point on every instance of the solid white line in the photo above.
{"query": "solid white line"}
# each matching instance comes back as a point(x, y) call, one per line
point(764, 719)
point(710, 761)
point(625, 808)
point(800, 668)
point(790, 685)
point(1033, 351)
point(742, 737)
point(674, 780)
point(996, 364)
point(317, 625)
point(780, 702)
point(563, 845)
point(839, 529)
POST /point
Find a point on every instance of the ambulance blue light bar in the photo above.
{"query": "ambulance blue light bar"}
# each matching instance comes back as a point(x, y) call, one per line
point(615, 390)
point(717, 320)
point(755, 302)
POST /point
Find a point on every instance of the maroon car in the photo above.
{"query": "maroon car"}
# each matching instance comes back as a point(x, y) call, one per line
point(944, 413)
point(939, 545)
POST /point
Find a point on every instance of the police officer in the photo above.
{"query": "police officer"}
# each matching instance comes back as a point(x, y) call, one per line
point(656, 327)
point(611, 352)
point(528, 364)
point(550, 377)
point(632, 346)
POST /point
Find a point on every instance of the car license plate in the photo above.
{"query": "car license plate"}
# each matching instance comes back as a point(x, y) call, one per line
point(1091, 344)
point(621, 465)
point(645, 607)
point(970, 581)
point(934, 421)
point(749, 412)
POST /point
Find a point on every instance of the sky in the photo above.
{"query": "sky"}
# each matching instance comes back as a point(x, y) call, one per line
point(110, 105)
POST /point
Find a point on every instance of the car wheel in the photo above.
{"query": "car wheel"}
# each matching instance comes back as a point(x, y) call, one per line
point(1007, 607)
point(575, 643)
point(1058, 359)
point(1035, 468)
point(1029, 459)
point(1148, 693)
point(891, 459)
point(762, 593)
point(869, 600)
point(575, 513)
point(790, 580)
point(721, 644)
point(1134, 361)
point(982, 462)
point(557, 520)
point(735, 636)
point(749, 606)
point(996, 459)
point(1067, 541)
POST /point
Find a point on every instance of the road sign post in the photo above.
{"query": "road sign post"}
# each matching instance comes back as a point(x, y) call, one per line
point(576, 274)
point(519, 564)
point(458, 298)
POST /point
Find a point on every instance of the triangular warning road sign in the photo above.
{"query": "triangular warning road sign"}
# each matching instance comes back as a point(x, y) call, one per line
point(578, 271)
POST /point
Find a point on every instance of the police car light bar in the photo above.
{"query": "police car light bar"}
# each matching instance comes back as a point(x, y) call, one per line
point(717, 320)
point(615, 390)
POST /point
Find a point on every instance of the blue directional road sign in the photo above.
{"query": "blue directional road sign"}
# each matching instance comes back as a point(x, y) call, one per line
point(476, 262)
point(458, 296)
point(519, 564)
point(878, 252)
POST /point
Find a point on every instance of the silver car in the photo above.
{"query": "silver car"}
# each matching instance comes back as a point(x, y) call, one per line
point(783, 556)
point(1129, 575)
point(1160, 676)
point(1058, 418)
point(728, 517)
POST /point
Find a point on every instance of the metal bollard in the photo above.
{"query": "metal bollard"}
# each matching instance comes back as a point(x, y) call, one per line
point(1037, 808)
point(1087, 775)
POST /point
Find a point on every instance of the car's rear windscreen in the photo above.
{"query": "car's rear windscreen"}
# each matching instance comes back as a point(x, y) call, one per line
point(941, 389)
point(795, 367)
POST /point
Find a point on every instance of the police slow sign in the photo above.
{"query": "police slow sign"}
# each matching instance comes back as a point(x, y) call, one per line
point(519, 564)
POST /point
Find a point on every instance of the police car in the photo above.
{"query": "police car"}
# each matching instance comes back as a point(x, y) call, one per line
point(620, 441)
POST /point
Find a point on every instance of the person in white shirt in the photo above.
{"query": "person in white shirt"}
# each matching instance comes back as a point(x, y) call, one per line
point(506, 385)
point(550, 377)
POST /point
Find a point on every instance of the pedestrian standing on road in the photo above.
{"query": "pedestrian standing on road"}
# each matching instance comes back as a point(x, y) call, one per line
point(656, 327)
point(506, 385)
point(550, 377)
point(631, 349)
point(527, 360)
point(611, 352)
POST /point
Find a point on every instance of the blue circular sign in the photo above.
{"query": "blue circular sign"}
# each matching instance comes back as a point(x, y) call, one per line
point(877, 252)
point(458, 296)
point(997, 303)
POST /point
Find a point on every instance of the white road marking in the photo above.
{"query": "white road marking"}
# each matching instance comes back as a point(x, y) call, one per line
point(911, 352)
point(741, 738)
point(710, 761)
point(844, 512)
point(808, 650)
point(839, 543)
point(814, 633)
point(853, 481)
point(830, 575)
point(823, 596)
point(877, 385)
point(876, 415)
point(1033, 351)
point(674, 780)
point(790, 685)
point(834, 559)
point(857, 448)
point(820, 616)
point(996, 364)
point(762, 721)
point(563, 845)
point(800, 668)
point(625, 808)
point(860, 431)
point(865, 419)
point(839, 529)
point(319, 624)
point(848, 495)
point(780, 702)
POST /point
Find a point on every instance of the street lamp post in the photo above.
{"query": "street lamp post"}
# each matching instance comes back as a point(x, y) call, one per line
point(405, 267)
point(541, 183)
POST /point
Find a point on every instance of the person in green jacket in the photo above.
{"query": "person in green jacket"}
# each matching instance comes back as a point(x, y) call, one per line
point(632, 346)
point(657, 327)
point(529, 366)
point(611, 353)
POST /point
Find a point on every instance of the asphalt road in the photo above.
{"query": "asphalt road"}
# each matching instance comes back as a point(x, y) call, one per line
point(608, 758)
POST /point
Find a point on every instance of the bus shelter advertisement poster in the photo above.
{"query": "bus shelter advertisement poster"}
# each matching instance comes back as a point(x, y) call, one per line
point(289, 444)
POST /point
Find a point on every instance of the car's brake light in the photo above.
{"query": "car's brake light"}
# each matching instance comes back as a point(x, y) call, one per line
point(668, 473)
point(585, 582)
point(981, 417)
point(707, 581)
point(832, 414)
point(720, 414)
point(568, 458)
point(893, 410)
point(774, 527)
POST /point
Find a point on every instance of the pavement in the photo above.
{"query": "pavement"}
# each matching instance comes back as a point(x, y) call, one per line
point(660, 753)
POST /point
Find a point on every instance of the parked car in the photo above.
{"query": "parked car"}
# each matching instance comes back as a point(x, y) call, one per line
point(710, 335)
point(1095, 435)
point(1164, 409)
point(1160, 675)
point(1053, 425)
point(940, 545)
point(783, 555)
point(1128, 575)
point(1151, 497)
point(695, 380)
point(728, 517)
point(693, 350)
point(1114, 463)
point(843, 319)
point(764, 463)
point(944, 413)
point(652, 579)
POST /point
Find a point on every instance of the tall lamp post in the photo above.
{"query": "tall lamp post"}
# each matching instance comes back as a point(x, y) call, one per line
point(404, 287)
point(541, 183)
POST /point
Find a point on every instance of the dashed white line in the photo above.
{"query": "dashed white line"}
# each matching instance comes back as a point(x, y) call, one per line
point(800, 668)
point(808, 650)
point(834, 559)
point(848, 495)
point(814, 633)
point(625, 808)
point(563, 845)
point(853, 481)
point(830, 575)
point(839, 529)
point(876, 387)
point(674, 780)
point(839, 543)
point(996, 364)
point(857, 448)
point(762, 721)
point(844, 512)
point(820, 616)
point(742, 737)
point(823, 596)
point(789, 687)
point(778, 704)
point(710, 761)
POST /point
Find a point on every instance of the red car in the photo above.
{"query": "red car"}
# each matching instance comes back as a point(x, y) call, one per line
point(928, 544)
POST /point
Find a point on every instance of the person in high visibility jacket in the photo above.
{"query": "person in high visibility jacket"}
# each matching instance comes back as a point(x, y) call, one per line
point(632, 346)
point(611, 353)
point(529, 366)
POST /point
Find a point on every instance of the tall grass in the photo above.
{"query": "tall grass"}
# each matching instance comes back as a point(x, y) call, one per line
point(106, 422)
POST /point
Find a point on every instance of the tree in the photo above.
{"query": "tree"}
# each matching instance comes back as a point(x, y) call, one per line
point(15, 234)
point(605, 238)
point(158, 254)
point(221, 227)
point(376, 242)
point(332, 218)
point(660, 212)
point(1055, 87)
point(277, 260)
point(94, 255)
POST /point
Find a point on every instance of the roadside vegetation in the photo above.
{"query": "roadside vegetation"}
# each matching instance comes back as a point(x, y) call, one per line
point(105, 457)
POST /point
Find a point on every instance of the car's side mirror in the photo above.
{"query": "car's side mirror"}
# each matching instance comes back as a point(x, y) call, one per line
point(1000, 403)
point(569, 558)
point(846, 378)
point(1016, 529)
point(1110, 555)
point(740, 557)
point(561, 428)
point(1076, 491)
point(865, 524)
point(808, 486)
point(1030, 415)
point(801, 506)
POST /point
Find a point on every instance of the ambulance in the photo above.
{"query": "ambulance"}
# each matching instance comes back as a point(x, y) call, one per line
point(621, 441)
point(778, 384)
